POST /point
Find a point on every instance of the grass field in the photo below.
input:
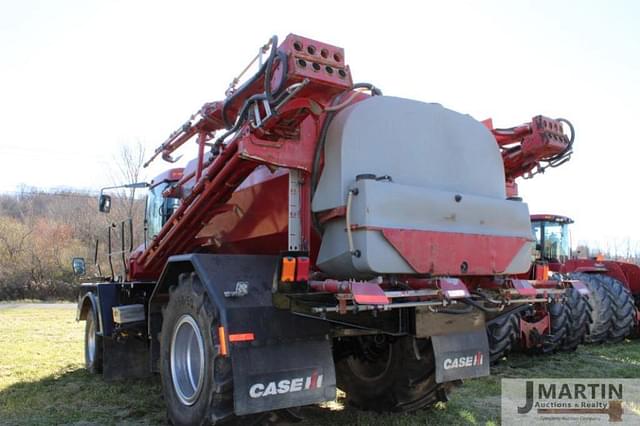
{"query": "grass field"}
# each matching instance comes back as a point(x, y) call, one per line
point(42, 380)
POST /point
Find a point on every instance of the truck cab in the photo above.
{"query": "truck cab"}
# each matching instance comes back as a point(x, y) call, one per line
point(158, 207)
point(553, 240)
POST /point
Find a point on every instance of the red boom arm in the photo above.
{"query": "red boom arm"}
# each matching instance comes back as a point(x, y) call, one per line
point(530, 148)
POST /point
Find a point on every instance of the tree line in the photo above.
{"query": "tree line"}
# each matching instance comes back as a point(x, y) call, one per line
point(41, 231)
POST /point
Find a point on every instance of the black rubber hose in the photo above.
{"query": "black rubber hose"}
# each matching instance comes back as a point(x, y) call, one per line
point(261, 71)
point(373, 89)
point(241, 118)
point(573, 131)
point(282, 58)
point(271, 96)
point(571, 139)
point(467, 309)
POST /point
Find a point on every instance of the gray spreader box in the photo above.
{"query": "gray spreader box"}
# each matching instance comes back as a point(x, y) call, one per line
point(446, 175)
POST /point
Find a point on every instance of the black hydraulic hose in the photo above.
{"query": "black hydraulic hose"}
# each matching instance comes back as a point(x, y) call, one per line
point(569, 147)
point(265, 70)
point(516, 310)
point(475, 304)
point(241, 118)
point(261, 71)
point(282, 58)
point(271, 97)
point(373, 89)
point(466, 310)
point(268, 69)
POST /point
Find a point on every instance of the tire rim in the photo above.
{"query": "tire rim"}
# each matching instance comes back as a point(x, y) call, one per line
point(374, 364)
point(187, 360)
point(91, 342)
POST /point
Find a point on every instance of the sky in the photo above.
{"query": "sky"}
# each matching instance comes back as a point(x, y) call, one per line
point(79, 79)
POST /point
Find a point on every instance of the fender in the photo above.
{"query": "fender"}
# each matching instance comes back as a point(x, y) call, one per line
point(286, 349)
point(219, 275)
point(253, 312)
point(86, 302)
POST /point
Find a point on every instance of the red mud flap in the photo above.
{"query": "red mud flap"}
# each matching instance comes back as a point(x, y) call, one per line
point(461, 355)
point(282, 375)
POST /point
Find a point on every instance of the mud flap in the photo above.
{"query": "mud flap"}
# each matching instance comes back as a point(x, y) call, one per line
point(461, 355)
point(282, 375)
point(125, 359)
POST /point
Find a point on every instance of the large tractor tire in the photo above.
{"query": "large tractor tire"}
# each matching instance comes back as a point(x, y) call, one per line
point(559, 324)
point(578, 320)
point(551, 341)
point(386, 375)
point(92, 344)
point(598, 306)
point(623, 307)
point(503, 333)
point(196, 379)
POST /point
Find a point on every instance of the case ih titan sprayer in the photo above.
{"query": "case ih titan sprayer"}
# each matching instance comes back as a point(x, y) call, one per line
point(614, 285)
point(325, 236)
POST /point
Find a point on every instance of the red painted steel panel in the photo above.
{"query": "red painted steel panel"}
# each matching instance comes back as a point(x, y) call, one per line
point(627, 273)
point(632, 273)
point(258, 211)
point(446, 252)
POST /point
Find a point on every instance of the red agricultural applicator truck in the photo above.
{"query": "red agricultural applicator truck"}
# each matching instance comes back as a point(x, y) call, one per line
point(325, 236)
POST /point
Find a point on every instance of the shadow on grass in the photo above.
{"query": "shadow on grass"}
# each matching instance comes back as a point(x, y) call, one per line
point(76, 397)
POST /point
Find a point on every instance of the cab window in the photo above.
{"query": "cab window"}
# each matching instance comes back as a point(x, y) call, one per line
point(158, 209)
point(556, 241)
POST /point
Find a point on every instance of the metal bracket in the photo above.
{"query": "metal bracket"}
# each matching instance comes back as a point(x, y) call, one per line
point(295, 221)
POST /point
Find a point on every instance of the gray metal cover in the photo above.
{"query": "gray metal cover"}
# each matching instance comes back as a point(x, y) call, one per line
point(432, 155)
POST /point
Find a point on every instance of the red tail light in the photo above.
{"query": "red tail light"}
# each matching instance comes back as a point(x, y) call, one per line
point(302, 269)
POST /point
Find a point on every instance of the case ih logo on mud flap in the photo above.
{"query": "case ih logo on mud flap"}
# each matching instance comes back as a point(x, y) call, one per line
point(294, 384)
point(284, 375)
point(461, 355)
point(464, 361)
point(282, 389)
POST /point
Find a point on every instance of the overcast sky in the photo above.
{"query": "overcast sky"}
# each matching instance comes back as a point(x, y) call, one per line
point(80, 78)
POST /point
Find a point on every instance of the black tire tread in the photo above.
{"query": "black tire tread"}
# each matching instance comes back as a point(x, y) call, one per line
point(96, 367)
point(578, 320)
point(503, 333)
point(220, 398)
point(559, 318)
point(623, 309)
point(599, 307)
point(408, 386)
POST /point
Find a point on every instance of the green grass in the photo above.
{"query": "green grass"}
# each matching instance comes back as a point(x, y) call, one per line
point(42, 380)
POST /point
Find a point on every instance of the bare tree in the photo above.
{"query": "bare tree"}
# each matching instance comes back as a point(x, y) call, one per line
point(128, 169)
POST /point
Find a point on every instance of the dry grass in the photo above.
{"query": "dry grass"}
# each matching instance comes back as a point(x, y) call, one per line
point(42, 380)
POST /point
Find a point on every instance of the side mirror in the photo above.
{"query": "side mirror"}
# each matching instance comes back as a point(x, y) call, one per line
point(104, 205)
point(78, 266)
